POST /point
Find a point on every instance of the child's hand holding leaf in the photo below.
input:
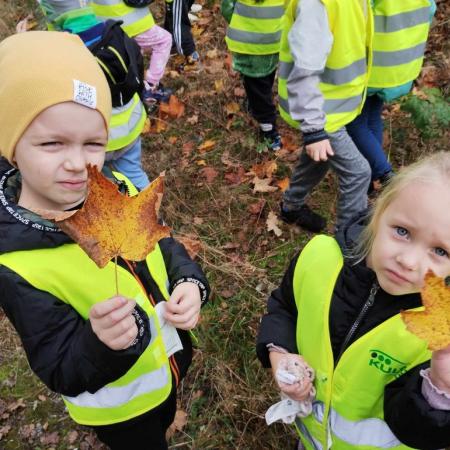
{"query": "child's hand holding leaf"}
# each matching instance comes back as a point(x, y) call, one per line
point(113, 322)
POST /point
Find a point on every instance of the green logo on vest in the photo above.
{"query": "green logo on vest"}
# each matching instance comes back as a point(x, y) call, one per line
point(386, 364)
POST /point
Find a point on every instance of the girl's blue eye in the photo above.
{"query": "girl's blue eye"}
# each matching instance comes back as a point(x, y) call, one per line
point(441, 252)
point(403, 232)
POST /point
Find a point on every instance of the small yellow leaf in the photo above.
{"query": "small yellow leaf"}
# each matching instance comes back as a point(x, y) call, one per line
point(206, 146)
point(232, 108)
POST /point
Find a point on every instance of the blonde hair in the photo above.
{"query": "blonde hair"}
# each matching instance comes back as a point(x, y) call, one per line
point(431, 169)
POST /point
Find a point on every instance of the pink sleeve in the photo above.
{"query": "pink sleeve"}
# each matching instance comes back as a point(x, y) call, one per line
point(435, 397)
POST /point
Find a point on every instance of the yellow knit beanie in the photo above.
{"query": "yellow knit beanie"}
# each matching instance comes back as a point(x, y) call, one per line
point(39, 69)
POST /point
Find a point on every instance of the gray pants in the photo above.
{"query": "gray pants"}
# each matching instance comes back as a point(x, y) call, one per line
point(352, 170)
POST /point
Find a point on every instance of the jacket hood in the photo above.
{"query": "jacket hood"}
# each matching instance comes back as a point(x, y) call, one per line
point(21, 229)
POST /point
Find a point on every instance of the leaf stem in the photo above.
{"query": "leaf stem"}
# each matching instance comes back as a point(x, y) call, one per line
point(116, 275)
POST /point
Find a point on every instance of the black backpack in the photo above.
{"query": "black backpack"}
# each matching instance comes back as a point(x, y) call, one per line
point(121, 60)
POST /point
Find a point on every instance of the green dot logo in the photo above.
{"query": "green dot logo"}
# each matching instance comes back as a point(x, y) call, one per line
point(386, 364)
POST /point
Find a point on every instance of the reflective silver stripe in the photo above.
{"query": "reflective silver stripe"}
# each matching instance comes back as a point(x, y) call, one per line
point(114, 396)
point(386, 59)
point(130, 18)
point(284, 69)
point(305, 433)
point(249, 37)
point(261, 12)
point(283, 102)
point(389, 24)
point(60, 7)
point(346, 74)
point(342, 105)
point(106, 2)
point(371, 432)
point(116, 132)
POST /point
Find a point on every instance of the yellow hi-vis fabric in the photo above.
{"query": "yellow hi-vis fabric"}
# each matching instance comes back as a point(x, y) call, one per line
point(135, 20)
point(344, 81)
point(348, 412)
point(401, 32)
point(126, 124)
point(255, 27)
point(70, 275)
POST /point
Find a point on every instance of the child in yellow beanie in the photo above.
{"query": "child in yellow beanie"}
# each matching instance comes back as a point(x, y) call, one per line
point(105, 355)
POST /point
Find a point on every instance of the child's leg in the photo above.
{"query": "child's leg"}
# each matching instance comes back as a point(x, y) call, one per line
point(144, 432)
point(366, 131)
point(353, 172)
point(260, 98)
point(306, 175)
point(178, 24)
point(130, 165)
point(156, 41)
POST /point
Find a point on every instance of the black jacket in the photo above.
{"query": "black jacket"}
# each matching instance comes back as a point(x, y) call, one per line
point(406, 411)
point(61, 346)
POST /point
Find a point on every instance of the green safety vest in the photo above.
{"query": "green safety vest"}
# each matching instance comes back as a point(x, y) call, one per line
point(126, 124)
point(135, 20)
point(70, 275)
point(348, 412)
point(255, 27)
point(344, 81)
point(401, 31)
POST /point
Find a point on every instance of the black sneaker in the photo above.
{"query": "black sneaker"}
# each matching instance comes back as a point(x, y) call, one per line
point(272, 139)
point(304, 217)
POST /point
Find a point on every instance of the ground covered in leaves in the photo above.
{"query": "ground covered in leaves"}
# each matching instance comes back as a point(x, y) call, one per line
point(222, 196)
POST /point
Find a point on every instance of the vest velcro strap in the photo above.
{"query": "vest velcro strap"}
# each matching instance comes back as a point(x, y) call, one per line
point(114, 396)
point(395, 58)
point(258, 12)
point(249, 37)
point(389, 24)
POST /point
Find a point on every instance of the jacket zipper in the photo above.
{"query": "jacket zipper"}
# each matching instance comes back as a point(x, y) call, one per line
point(368, 304)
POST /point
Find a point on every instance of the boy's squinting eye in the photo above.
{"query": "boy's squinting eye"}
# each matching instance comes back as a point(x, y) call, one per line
point(441, 252)
point(403, 232)
point(50, 144)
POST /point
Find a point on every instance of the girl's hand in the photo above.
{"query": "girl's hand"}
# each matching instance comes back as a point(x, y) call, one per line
point(183, 306)
point(113, 322)
point(298, 391)
point(440, 369)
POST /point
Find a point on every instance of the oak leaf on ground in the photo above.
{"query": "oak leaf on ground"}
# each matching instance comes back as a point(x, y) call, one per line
point(111, 224)
point(263, 185)
point(433, 323)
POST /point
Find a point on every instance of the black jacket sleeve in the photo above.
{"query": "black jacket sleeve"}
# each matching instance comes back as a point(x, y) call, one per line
point(180, 266)
point(408, 414)
point(278, 325)
point(61, 347)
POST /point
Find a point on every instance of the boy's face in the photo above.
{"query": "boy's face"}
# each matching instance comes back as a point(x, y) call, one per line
point(53, 152)
point(413, 236)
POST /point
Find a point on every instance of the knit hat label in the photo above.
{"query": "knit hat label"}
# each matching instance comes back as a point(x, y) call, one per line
point(84, 94)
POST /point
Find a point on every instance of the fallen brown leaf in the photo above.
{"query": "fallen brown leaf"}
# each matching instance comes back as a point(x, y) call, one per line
point(263, 185)
point(209, 173)
point(283, 184)
point(174, 108)
point(191, 244)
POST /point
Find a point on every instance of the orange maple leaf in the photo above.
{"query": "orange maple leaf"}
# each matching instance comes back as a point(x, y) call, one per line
point(433, 323)
point(111, 224)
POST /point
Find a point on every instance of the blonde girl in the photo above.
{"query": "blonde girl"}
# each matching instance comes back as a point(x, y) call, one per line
point(377, 385)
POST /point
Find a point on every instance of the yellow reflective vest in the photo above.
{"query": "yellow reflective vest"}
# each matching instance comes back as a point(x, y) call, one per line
point(255, 27)
point(70, 275)
point(126, 124)
point(401, 32)
point(344, 81)
point(135, 20)
point(348, 412)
